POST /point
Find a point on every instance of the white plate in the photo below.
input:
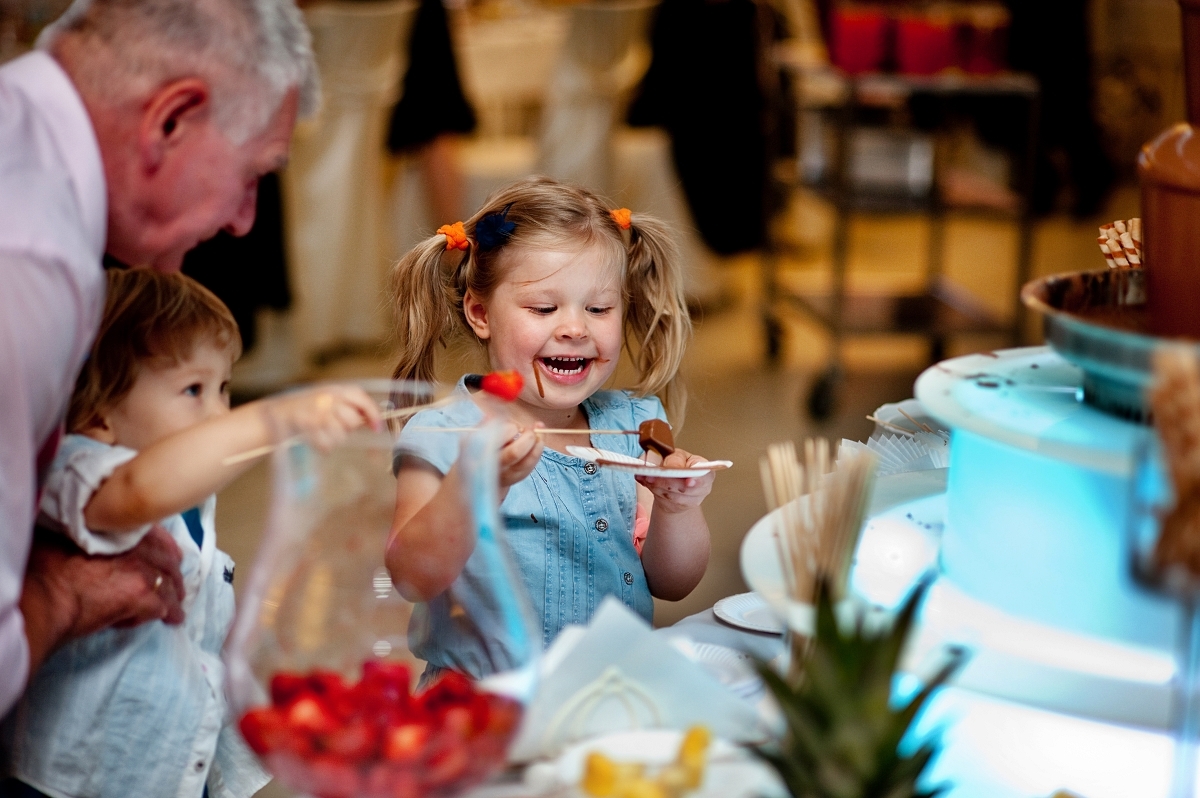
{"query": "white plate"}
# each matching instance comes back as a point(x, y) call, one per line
point(732, 668)
point(893, 552)
point(634, 465)
point(732, 772)
point(748, 611)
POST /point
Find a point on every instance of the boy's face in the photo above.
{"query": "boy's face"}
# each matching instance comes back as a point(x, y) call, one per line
point(166, 400)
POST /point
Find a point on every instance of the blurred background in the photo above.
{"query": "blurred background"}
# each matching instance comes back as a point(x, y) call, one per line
point(859, 189)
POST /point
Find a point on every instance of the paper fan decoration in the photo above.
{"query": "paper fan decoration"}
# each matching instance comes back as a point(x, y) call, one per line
point(898, 454)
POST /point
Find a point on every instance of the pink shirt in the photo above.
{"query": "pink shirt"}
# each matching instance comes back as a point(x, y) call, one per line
point(53, 224)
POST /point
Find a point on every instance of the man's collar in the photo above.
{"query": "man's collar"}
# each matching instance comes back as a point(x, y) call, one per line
point(50, 90)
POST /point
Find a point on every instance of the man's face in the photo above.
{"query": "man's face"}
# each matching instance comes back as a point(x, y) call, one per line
point(202, 183)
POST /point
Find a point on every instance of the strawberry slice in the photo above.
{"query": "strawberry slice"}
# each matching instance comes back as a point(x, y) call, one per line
point(451, 689)
point(505, 385)
point(264, 729)
point(285, 687)
point(356, 741)
point(308, 714)
point(406, 743)
point(448, 761)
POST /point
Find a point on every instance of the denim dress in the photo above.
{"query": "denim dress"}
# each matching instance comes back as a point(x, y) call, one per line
point(568, 525)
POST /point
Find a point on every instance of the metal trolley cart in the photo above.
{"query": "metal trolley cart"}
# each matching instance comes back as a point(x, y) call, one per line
point(940, 310)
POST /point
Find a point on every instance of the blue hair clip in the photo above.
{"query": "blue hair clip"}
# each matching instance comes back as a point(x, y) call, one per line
point(494, 229)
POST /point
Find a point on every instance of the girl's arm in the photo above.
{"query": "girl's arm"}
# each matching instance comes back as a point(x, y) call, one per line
point(433, 533)
point(183, 469)
point(675, 554)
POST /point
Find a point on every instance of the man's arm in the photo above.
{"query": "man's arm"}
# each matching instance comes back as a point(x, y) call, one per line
point(47, 316)
point(40, 310)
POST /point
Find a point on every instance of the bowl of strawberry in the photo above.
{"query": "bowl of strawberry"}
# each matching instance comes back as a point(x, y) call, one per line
point(332, 738)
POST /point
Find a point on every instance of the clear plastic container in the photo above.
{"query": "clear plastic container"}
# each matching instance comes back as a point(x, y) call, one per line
point(326, 668)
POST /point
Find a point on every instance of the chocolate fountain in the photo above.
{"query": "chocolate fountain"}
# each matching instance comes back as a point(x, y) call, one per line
point(1045, 496)
point(1074, 680)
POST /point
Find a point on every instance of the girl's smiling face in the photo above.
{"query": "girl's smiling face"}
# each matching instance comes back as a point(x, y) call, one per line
point(559, 312)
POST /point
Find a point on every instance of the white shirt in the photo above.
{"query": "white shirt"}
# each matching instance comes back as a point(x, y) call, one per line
point(53, 224)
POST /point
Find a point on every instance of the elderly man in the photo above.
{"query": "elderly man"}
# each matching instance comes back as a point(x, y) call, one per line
point(137, 129)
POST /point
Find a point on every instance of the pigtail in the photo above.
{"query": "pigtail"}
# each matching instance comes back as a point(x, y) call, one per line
point(658, 326)
point(424, 301)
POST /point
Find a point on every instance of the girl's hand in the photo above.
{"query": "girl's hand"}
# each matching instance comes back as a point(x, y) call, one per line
point(323, 415)
point(519, 454)
point(677, 494)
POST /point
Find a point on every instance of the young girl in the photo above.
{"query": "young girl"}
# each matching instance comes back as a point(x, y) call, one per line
point(142, 711)
point(553, 284)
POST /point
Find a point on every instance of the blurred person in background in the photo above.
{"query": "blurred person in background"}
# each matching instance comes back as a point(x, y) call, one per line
point(1050, 41)
point(432, 111)
point(136, 129)
point(710, 87)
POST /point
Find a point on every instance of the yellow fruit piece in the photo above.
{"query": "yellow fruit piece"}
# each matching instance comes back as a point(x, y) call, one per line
point(641, 788)
point(693, 755)
point(676, 780)
point(605, 778)
point(694, 746)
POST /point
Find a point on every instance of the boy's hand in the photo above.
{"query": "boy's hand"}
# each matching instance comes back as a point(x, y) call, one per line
point(519, 455)
point(676, 494)
point(323, 415)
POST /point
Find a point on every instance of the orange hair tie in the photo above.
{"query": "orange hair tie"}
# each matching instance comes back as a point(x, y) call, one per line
point(623, 217)
point(456, 236)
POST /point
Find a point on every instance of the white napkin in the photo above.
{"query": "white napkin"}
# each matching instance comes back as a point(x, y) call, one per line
point(616, 675)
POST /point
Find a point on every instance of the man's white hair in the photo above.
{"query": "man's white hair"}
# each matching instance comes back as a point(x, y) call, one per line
point(251, 52)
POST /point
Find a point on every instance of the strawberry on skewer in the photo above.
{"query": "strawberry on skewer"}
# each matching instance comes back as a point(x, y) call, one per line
point(504, 385)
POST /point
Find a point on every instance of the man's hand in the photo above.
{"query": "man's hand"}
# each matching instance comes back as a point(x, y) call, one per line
point(68, 594)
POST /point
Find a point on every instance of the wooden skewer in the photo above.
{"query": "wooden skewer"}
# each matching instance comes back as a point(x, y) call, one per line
point(922, 426)
point(536, 431)
point(820, 537)
point(893, 427)
point(386, 415)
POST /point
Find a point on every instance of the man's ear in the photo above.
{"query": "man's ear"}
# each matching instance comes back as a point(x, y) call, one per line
point(477, 316)
point(170, 115)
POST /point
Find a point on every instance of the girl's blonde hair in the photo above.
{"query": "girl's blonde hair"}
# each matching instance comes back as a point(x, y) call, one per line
point(429, 283)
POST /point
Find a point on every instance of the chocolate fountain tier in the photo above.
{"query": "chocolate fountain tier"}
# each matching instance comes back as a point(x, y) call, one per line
point(1099, 322)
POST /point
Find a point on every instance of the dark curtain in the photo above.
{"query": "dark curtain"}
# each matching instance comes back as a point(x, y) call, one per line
point(705, 87)
point(247, 272)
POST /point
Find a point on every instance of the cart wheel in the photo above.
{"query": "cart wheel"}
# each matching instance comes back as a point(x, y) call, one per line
point(937, 349)
point(773, 332)
point(822, 397)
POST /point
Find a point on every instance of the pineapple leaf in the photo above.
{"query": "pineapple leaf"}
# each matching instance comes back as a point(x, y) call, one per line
point(843, 736)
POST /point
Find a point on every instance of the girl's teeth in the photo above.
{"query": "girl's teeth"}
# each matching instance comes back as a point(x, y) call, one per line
point(557, 365)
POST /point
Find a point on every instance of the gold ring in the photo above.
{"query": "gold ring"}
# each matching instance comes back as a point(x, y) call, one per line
point(158, 580)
